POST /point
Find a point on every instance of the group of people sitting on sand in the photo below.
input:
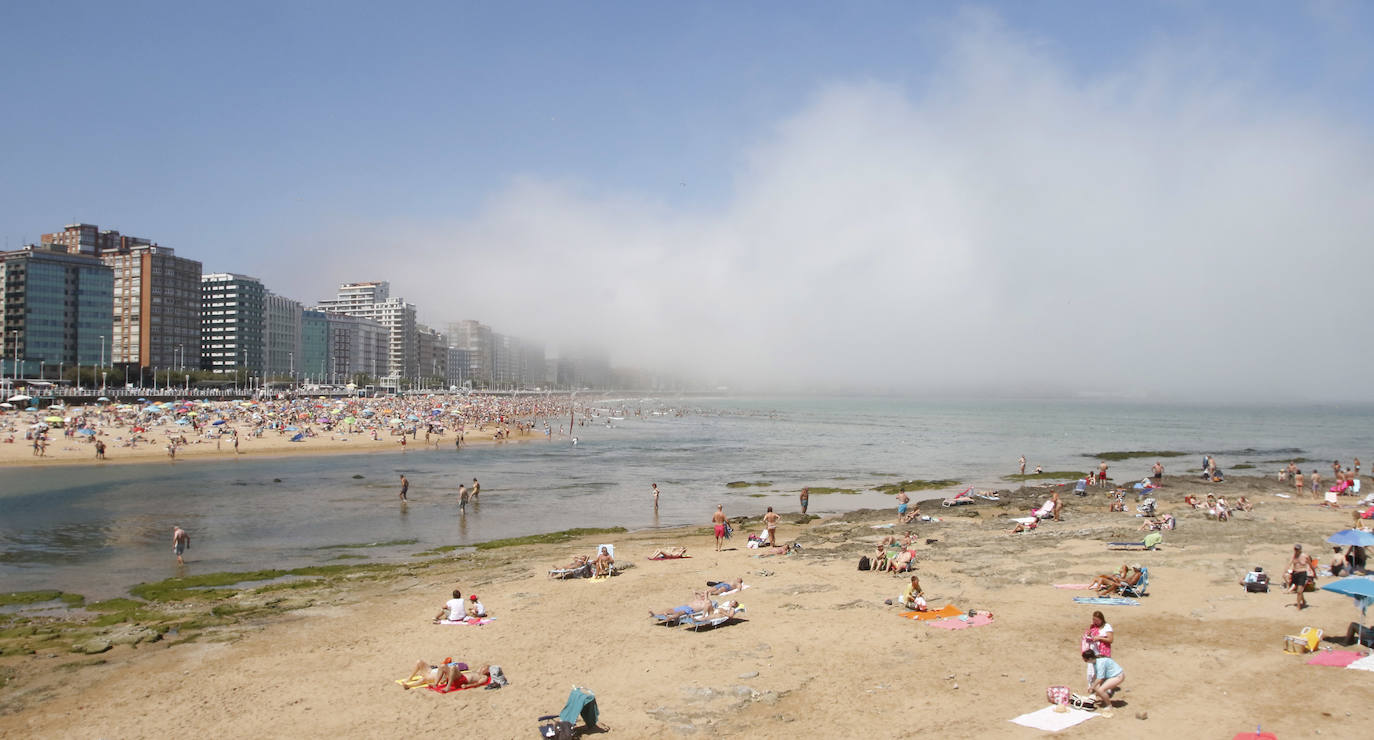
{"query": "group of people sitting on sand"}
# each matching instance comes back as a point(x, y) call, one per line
point(1215, 507)
point(895, 555)
point(1112, 583)
point(456, 609)
point(600, 563)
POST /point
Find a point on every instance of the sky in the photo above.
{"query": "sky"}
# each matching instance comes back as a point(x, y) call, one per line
point(1147, 200)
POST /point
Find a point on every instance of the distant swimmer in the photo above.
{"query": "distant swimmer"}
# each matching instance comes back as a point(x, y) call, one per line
point(181, 542)
point(405, 486)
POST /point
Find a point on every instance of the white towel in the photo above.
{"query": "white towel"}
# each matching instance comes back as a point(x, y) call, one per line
point(1051, 721)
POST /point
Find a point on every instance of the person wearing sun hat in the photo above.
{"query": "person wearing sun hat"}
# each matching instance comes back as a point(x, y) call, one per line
point(475, 608)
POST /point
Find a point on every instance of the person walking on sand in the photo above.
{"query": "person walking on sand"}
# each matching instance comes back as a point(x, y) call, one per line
point(405, 486)
point(718, 520)
point(1301, 566)
point(655, 487)
point(770, 520)
point(1023, 464)
point(805, 498)
point(181, 542)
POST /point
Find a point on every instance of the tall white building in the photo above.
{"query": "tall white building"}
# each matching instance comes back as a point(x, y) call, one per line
point(372, 300)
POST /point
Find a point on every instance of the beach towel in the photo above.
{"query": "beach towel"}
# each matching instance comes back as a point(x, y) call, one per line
point(469, 621)
point(1051, 721)
point(1074, 586)
point(1363, 664)
point(948, 610)
point(465, 687)
point(671, 557)
point(962, 622)
point(1106, 600)
point(883, 526)
point(1337, 658)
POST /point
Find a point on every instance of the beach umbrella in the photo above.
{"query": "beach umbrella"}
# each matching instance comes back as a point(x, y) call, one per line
point(1354, 537)
point(293, 429)
point(6, 405)
point(393, 422)
point(217, 422)
point(31, 408)
point(53, 419)
point(87, 432)
point(21, 397)
point(102, 398)
point(140, 398)
point(350, 420)
point(1359, 589)
point(412, 417)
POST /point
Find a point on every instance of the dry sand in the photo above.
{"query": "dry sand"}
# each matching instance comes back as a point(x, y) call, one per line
point(818, 655)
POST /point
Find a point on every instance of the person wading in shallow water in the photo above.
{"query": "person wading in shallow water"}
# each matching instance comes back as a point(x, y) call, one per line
point(181, 542)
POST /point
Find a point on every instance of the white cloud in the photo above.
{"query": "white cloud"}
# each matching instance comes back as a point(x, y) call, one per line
point(1009, 225)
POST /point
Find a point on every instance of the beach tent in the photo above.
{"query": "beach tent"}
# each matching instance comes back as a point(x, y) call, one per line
point(1356, 537)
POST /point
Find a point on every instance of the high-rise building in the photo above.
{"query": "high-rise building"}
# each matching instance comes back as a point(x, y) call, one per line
point(431, 353)
point(156, 306)
point(357, 346)
point(314, 362)
point(458, 360)
point(477, 339)
point(57, 309)
point(232, 318)
point(282, 337)
point(373, 300)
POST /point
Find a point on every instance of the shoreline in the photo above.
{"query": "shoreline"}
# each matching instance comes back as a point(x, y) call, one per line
point(811, 622)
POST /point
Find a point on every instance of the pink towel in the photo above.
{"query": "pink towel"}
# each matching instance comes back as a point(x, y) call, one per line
point(1338, 658)
point(960, 624)
point(1074, 586)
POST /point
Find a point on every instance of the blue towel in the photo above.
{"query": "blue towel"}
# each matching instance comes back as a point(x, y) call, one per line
point(1106, 600)
point(580, 702)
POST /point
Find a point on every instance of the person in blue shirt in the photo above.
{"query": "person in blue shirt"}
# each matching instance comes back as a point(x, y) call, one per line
point(1107, 676)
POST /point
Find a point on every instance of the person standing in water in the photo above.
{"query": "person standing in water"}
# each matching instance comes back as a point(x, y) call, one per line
point(655, 487)
point(181, 542)
point(405, 486)
point(462, 498)
point(476, 489)
point(805, 498)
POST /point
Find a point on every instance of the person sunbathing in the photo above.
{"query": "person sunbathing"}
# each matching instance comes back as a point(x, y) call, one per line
point(672, 552)
point(577, 562)
point(725, 587)
point(911, 514)
point(726, 609)
point(1152, 525)
point(1107, 583)
point(425, 674)
point(603, 562)
point(902, 563)
point(783, 550)
point(1021, 527)
point(700, 603)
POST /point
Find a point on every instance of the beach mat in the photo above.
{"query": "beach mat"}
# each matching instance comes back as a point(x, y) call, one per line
point(961, 623)
point(1337, 658)
point(450, 689)
point(1106, 600)
point(1363, 664)
point(1074, 586)
point(470, 620)
point(1051, 721)
point(948, 610)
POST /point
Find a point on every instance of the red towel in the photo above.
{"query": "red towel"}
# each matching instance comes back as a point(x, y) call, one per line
point(450, 689)
point(1338, 658)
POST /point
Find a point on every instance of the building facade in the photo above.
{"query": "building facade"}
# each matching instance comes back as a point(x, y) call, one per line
point(232, 319)
point(315, 345)
point(373, 300)
point(57, 310)
point(357, 347)
point(282, 337)
point(92, 241)
point(156, 302)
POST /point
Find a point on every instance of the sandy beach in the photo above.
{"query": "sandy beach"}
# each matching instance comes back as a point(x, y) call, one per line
point(817, 653)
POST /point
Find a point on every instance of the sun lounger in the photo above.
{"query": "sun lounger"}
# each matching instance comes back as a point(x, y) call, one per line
point(675, 617)
point(1139, 588)
point(698, 622)
point(988, 496)
point(959, 499)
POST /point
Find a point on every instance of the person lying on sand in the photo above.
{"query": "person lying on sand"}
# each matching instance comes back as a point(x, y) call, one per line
point(672, 552)
point(722, 587)
point(603, 562)
point(1020, 527)
point(700, 603)
point(784, 550)
point(425, 674)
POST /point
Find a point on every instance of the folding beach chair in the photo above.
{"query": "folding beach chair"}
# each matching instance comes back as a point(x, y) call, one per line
point(581, 703)
point(1303, 642)
point(1138, 589)
point(1081, 487)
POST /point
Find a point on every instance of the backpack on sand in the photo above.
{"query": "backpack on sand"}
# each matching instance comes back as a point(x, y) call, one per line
point(865, 563)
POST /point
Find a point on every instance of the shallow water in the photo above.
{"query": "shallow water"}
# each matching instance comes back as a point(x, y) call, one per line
point(98, 530)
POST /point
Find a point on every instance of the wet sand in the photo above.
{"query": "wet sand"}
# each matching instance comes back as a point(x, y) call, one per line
point(818, 654)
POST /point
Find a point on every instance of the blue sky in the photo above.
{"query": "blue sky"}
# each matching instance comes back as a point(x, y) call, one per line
point(265, 138)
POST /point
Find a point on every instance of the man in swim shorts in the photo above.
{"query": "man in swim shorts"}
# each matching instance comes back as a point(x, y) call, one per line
point(1301, 565)
point(902, 501)
point(405, 486)
point(181, 542)
point(718, 519)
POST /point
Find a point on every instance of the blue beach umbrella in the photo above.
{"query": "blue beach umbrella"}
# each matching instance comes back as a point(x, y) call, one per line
point(1359, 589)
point(87, 432)
point(217, 422)
point(1352, 537)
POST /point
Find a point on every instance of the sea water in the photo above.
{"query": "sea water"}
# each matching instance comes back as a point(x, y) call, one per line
point(96, 530)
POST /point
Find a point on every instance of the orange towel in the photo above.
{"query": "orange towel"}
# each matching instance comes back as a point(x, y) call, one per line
point(948, 610)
